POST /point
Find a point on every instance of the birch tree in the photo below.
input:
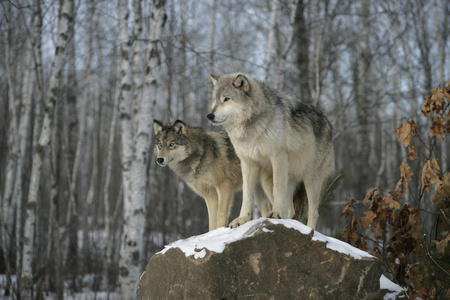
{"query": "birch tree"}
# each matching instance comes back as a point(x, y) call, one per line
point(127, 270)
point(33, 43)
point(39, 151)
point(136, 145)
point(8, 200)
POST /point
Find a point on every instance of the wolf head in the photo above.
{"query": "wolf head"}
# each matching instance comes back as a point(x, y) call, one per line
point(170, 141)
point(233, 99)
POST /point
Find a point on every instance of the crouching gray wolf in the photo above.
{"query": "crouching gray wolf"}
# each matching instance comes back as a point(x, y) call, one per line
point(273, 134)
point(205, 160)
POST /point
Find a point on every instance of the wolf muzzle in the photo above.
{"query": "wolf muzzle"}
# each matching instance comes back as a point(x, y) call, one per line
point(160, 161)
point(211, 117)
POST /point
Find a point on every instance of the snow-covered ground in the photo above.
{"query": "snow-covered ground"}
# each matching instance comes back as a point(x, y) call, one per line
point(86, 294)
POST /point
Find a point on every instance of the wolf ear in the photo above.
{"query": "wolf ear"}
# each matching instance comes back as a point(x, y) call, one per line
point(179, 127)
point(241, 82)
point(158, 126)
point(214, 78)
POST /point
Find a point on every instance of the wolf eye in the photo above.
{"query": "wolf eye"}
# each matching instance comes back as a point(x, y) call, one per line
point(171, 145)
point(226, 99)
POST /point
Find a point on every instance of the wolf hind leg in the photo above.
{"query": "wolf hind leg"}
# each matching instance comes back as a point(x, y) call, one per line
point(263, 201)
point(314, 190)
point(283, 187)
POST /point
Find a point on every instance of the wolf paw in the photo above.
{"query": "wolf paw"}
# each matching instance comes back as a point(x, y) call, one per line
point(274, 215)
point(238, 222)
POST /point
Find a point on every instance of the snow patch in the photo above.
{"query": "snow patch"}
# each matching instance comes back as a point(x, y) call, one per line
point(386, 284)
point(216, 240)
point(340, 246)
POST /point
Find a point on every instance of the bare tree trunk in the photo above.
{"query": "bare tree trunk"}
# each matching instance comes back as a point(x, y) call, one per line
point(127, 270)
point(270, 37)
point(302, 57)
point(12, 165)
point(25, 119)
point(281, 60)
point(105, 194)
point(317, 47)
point(39, 150)
point(89, 165)
point(135, 159)
point(361, 99)
point(182, 110)
point(136, 64)
point(443, 145)
point(212, 34)
point(68, 246)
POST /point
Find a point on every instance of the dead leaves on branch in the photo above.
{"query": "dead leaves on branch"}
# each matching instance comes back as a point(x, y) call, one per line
point(441, 191)
point(405, 132)
point(437, 101)
point(396, 228)
point(429, 176)
point(436, 105)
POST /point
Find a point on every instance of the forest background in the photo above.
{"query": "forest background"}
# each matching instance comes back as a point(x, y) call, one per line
point(83, 204)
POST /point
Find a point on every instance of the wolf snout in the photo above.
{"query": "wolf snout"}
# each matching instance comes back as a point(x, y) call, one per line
point(160, 161)
point(210, 117)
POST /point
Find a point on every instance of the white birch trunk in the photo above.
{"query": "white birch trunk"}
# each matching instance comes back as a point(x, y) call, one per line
point(39, 151)
point(136, 64)
point(134, 160)
point(33, 43)
point(69, 235)
point(127, 271)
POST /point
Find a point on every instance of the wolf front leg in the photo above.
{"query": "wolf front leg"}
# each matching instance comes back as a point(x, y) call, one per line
point(249, 178)
point(225, 193)
point(283, 187)
point(211, 204)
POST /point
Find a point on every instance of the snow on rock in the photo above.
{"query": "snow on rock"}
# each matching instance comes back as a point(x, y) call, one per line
point(216, 240)
point(265, 257)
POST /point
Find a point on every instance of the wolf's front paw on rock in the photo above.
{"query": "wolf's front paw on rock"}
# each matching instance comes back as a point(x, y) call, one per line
point(238, 222)
point(274, 215)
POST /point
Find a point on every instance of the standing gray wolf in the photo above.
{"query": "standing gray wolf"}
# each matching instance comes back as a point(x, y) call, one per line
point(281, 143)
point(205, 160)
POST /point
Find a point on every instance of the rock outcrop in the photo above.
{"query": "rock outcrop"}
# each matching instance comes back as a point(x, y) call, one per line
point(263, 259)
